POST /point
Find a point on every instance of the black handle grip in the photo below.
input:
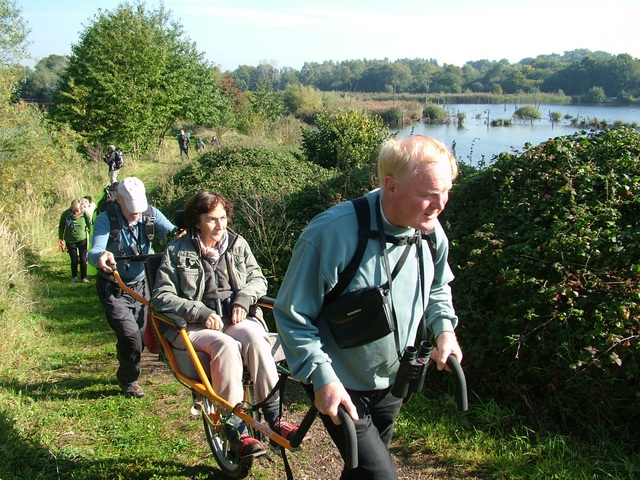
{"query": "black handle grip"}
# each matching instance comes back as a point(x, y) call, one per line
point(350, 439)
point(134, 258)
point(304, 427)
point(461, 383)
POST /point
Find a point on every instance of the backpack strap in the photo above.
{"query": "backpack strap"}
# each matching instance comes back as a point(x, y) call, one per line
point(364, 234)
point(114, 226)
point(361, 205)
point(149, 221)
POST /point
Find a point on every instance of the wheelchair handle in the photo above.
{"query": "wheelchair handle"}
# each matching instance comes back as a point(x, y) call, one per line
point(304, 427)
point(350, 439)
point(461, 383)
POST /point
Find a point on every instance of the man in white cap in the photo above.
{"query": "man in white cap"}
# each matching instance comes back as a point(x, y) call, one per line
point(126, 227)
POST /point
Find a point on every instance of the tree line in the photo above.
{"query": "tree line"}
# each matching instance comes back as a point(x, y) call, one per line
point(574, 73)
point(582, 74)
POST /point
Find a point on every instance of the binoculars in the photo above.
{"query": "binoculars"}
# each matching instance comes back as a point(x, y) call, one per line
point(412, 371)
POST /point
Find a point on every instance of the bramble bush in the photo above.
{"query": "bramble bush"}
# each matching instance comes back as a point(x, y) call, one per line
point(545, 245)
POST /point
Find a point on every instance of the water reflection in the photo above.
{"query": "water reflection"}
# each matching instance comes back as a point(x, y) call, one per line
point(478, 142)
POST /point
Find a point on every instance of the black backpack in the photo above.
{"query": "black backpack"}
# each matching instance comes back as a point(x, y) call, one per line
point(118, 159)
point(108, 197)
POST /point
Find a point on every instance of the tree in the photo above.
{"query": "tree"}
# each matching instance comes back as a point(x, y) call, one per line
point(13, 47)
point(42, 82)
point(132, 75)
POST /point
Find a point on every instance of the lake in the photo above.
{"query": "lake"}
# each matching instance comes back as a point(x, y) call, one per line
point(478, 141)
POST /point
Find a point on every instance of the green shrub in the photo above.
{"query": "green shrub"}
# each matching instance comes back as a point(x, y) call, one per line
point(344, 140)
point(545, 245)
point(265, 186)
point(435, 114)
point(527, 113)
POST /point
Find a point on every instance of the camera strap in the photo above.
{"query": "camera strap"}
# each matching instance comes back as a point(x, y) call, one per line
point(396, 270)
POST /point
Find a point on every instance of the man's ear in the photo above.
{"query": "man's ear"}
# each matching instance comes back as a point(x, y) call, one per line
point(389, 184)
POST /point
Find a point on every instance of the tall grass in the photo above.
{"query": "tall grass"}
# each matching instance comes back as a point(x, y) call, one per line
point(15, 297)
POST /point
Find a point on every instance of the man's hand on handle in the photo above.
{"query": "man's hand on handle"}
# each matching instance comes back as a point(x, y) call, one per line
point(107, 262)
point(446, 344)
point(330, 396)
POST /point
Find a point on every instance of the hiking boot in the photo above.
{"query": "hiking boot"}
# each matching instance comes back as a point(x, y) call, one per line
point(246, 446)
point(132, 390)
point(86, 280)
point(74, 279)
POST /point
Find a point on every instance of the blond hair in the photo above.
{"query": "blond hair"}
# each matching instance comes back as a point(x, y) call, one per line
point(401, 157)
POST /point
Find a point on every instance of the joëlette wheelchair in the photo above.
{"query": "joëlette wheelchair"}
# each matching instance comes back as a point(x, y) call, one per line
point(187, 366)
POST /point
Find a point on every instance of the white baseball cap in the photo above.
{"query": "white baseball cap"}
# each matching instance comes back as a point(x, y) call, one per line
point(132, 191)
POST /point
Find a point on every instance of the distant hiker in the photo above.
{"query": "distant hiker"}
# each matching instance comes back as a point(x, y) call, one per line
point(88, 205)
point(200, 146)
point(183, 143)
point(73, 231)
point(215, 141)
point(115, 159)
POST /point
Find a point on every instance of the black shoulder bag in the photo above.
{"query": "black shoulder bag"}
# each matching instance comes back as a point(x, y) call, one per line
point(365, 315)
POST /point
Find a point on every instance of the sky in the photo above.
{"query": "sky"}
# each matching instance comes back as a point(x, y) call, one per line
point(288, 33)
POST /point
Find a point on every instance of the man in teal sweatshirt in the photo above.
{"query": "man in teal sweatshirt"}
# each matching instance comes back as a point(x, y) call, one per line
point(416, 174)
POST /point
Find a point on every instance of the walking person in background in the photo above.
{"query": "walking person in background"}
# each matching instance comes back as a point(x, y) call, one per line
point(89, 206)
point(200, 146)
point(115, 159)
point(415, 174)
point(126, 227)
point(73, 234)
point(183, 143)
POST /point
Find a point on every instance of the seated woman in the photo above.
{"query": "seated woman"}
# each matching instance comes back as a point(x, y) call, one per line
point(210, 278)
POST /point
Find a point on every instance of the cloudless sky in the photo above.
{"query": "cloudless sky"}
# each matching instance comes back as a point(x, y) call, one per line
point(288, 33)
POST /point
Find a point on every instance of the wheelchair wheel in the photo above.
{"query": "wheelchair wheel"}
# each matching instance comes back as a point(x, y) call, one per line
point(218, 443)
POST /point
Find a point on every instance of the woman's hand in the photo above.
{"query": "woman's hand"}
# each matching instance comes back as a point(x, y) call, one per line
point(61, 246)
point(214, 322)
point(238, 314)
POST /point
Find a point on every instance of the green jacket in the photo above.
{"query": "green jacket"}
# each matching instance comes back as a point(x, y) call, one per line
point(77, 232)
point(180, 282)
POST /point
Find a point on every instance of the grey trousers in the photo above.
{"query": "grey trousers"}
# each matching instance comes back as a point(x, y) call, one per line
point(244, 343)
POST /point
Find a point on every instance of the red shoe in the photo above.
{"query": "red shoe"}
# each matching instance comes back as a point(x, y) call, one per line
point(246, 446)
point(284, 429)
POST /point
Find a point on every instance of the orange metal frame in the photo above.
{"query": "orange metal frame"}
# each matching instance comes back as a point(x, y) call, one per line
point(203, 387)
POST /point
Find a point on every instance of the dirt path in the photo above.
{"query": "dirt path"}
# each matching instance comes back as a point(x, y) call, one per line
point(317, 459)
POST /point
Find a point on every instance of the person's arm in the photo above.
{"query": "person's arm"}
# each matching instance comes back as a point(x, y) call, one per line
point(62, 224)
point(162, 225)
point(251, 285)
point(87, 220)
point(440, 315)
point(99, 256)
point(298, 303)
point(61, 227)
